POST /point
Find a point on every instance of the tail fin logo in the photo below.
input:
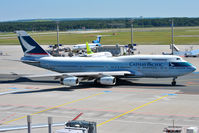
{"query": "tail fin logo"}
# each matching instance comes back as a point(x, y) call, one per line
point(27, 46)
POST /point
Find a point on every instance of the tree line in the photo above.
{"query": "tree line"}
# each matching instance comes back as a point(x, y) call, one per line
point(95, 24)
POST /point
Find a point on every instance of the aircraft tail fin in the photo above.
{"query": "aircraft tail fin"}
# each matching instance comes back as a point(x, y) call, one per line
point(30, 47)
point(89, 51)
point(98, 40)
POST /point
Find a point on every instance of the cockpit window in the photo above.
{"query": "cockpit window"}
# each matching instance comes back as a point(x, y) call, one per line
point(177, 58)
point(180, 64)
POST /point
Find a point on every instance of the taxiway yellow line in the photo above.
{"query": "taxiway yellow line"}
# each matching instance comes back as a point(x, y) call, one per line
point(54, 107)
point(132, 110)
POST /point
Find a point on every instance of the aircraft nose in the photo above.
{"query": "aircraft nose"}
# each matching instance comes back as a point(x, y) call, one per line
point(193, 68)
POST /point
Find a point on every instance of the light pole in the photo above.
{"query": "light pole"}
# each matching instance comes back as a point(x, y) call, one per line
point(29, 121)
point(172, 40)
point(57, 33)
point(132, 32)
point(131, 46)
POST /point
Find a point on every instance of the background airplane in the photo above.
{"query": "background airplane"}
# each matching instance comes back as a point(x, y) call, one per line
point(177, 51)
point(99, 54)
point(103, 70)
point(94, 44)
point(191, 53)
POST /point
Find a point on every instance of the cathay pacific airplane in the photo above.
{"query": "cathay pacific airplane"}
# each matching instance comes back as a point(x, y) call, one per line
point(103, 70)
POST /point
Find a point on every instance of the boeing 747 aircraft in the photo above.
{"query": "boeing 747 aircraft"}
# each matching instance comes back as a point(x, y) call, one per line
point(104, 70)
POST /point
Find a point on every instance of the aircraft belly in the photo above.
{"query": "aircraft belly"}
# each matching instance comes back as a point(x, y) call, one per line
point(151, 71)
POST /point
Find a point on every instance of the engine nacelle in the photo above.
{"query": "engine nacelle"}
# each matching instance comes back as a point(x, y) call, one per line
point(107, 80)
point(70, 81)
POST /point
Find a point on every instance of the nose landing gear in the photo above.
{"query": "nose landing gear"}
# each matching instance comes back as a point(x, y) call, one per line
point(173, 83)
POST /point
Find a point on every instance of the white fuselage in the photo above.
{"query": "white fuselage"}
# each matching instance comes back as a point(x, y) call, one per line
point(161, 66)
point(83, 46)
point(100, 54)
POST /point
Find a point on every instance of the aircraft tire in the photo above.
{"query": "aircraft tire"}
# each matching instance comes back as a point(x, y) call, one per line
point(173, 83)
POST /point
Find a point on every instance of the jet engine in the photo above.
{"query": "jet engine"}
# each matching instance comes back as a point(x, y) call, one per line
point(70, 81)
point(107, 80)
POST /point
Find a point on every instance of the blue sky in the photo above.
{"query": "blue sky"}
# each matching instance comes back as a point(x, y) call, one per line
point(39, 9)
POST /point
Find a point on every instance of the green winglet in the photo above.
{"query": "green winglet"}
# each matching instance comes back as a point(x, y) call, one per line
point(89, 51)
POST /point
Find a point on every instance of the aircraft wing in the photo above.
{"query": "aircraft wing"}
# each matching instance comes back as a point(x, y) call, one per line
point(195, 52)
point(111, 73)
point(81, 74)
point(44, 75)
point(29, 61)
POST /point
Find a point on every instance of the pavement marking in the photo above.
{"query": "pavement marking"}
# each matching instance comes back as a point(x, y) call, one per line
point(7, 117)
point(54, 107)
point(13, 88)
point(107, 91)
point(132, 110)
point(152, 123)
point(9, 92)
point(181, 80)
point(169, 94)
point(146, 90)
point(193, 83)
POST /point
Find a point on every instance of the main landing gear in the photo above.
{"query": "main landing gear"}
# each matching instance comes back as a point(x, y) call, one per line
point(173, 83)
